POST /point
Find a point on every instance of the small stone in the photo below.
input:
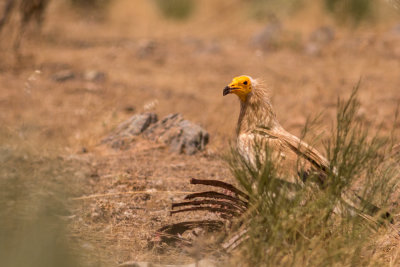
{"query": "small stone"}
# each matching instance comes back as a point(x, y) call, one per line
point(322, 35)
point(63, 76)
point(146, 48)
point(396, 30)
point(209, 48)
point(129, 109)
point(87, 246)
point(312, 49)
point(268, 37)
point(318, 39)
point(361, 114)
point(145, 197)
point(95, 215)
point(94, 76)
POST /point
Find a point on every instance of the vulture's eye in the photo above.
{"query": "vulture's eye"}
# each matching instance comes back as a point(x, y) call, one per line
point(245, 82)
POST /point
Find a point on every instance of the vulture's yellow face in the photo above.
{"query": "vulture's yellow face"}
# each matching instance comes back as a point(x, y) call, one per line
point(240, 86)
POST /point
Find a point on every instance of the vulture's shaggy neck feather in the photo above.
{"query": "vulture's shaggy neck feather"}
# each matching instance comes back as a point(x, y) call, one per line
point(256, 110)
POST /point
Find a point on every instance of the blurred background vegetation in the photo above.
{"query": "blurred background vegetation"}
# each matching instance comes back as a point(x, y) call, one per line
point(346, 12)
point(176, 9)
point(354, 11)
point(35, 186)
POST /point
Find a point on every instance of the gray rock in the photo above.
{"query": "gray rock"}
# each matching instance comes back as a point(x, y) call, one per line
point(146, 48)
point(181, 135)
point(268, 37)
point(209, 48)
point(137, 124)
point(318, 40)
point(134, 126)
point(63, 76)
point(322, 35)
point(395, 31)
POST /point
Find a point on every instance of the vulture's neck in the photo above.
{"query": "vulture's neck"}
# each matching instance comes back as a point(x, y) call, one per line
point(256, 111)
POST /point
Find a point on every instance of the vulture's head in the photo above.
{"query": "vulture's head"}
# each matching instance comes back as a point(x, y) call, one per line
point(240, 86)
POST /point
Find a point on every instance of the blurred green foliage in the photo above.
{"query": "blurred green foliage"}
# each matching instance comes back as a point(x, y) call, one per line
point(272, 9)
point(349, 12)
point(33, 197)
point(353, 11)
point(176, 9)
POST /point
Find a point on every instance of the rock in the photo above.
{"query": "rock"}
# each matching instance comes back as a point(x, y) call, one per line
point(134, 126)
point(94, 76)
point(146, 48)
point(393, 33)
point(63, 76)
point(181, 135)
point(396, 29)
point(322, 35)
point(268, 37)
point(209, 48)
point(137, 124)
point(318, 39)
point(312, 49)
point(129, 109)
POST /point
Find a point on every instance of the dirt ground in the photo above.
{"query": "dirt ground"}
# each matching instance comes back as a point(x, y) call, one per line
point(167, 66)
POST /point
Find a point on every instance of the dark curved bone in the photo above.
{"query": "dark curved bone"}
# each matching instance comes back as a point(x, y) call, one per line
point(221, 184)
point(225, 213)
point(180, 228)
point(225, 204)
point(217, 195)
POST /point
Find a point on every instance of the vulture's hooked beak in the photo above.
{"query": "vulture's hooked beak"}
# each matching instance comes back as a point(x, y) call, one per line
point(227, 90)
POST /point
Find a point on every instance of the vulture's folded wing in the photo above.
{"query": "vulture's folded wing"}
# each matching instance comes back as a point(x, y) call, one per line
point(295, 156)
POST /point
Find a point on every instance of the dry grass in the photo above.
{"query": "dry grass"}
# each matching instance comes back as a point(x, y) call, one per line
point(185, 72)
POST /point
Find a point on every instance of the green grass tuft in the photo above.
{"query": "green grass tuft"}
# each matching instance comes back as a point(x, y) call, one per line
point(176, 9)
point(350, 11)
point(272, 9)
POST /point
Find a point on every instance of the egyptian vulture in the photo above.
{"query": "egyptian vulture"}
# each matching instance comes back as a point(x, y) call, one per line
point(258, 126)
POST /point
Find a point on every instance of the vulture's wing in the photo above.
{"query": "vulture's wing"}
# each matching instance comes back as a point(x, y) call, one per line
point(301, 148)
point(295, 157)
